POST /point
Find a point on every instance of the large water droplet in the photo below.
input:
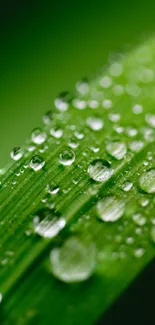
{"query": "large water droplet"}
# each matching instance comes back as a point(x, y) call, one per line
point(47, 224)
point(67, 157)
point(16, 153)
point(110, 209)
point(117, 149)
point(75, 261)
point(147, 181)
point(95, 123)
point(100, 170)
point(37, 162)
point(38, 136)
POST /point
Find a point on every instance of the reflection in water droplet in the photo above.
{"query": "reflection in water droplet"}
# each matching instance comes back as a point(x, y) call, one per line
point(47, 224)
point(110, 209)
point(117, 149)
point(37, 162)
point(67, 157)
point(75, 261)
point(100, 170)
point(147, 181)
point(95, 123)
point(16, 153)
point(38, 136)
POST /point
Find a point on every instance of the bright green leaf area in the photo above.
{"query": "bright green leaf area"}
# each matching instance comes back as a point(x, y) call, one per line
point(124, 97)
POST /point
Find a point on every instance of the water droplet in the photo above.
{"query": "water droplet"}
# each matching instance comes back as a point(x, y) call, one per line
point(127, 186)
point(100, 170)
point(1, 297)
point(116, 149)
point(110, 209)
point(118, 90)
point(105, 82)
point(137, 109)
point(52, 189)
point(47, 118)
point(150, 119)
point(116, 69)
point(139, 219)
point(79, 103)
point(131, 131)
point(139, 252)
point(56, 132)
point(114, 117)
point(47, 224)
point(82, 87)
point(67, 157)
point(130, 240)
point(37, 162)
point(93, 103)
point(107, 103)
point(79, 135)
point(62, 101)
point(144, 202)
point(95, 123)
point(38, 136)
point(147, 181)
point(153, 234)
point(136, 145)
point(16, 153)
point(75, 261)
point(73, 143)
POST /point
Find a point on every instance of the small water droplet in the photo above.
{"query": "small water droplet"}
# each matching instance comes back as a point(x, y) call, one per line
point(131, 131)
point(144, 202)
point(47, 224)
point(16, 153)
point(67, 157)
point(147, 181)
point(107, 103)
point(118, 90)
point(116, 149)
point(137, 109)
point(93, 103)
point(130, 240)
point(114, 117)
point(52, 189)
point(105, 82)
point(79, 103)
point(82, 87)
point(100, 170)
point(38, 136)
point(72, 143)
point(127, 186)
point(1, 297)
point(95, 123)
point(74, 261)
point(139, 252)
point(62, 101)
point(136, 145)
point(110, 209)
point(116, 69)
point(139, 219)
point(150, 119)
point(56, 132)
point(47, 118)
point(37, 162)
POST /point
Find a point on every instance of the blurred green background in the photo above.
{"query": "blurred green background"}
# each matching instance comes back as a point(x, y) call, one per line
point(46, 46)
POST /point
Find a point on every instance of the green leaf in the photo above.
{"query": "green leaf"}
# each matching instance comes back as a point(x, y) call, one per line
point(92, 168)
